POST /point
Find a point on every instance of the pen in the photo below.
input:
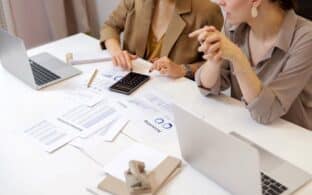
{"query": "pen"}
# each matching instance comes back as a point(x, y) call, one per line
point(92, 78)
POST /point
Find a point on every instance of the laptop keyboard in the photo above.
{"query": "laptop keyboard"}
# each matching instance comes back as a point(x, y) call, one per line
point(270, 186)
point(41, 74)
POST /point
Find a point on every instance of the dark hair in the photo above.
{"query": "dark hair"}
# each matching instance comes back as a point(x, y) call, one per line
point(286, 4)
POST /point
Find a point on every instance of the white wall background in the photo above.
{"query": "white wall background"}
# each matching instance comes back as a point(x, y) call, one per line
point(104, 8)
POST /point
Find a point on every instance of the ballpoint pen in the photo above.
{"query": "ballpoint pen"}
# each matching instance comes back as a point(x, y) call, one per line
point(92, 78)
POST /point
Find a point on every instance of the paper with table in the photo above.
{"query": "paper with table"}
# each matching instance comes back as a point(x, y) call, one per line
point(100, 123)
point(95, 120)
point(50, 135)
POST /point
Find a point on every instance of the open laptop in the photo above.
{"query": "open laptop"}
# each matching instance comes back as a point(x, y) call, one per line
point(238, 165)
point(38, 71)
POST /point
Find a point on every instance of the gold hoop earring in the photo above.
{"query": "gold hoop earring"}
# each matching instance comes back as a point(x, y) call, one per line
point(254, 11)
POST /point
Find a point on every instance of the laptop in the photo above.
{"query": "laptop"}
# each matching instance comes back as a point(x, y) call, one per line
point(238, 165)
point(38, 71)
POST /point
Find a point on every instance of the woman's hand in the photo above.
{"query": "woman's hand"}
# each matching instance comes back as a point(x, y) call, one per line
point(166, 67)
point(123, 59)
point(215, 45)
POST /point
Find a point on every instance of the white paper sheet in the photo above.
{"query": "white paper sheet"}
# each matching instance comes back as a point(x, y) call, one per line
point(106, 134)
point(89, 120)
point(50, 136)
point(160, 123)
point(139, 152)
point(113, 73)
point(148, 104)
point(110, 132)
point(90, 57)
point(92, 95)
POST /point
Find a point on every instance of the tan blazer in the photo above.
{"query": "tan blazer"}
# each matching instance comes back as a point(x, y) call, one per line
point(133, 18)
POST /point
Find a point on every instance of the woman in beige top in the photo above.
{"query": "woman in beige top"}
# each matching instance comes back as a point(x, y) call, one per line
point(158, 30)
point(265, 56)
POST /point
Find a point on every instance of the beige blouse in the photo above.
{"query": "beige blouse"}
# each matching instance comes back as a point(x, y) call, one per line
point(153, 47)
point(285, 72)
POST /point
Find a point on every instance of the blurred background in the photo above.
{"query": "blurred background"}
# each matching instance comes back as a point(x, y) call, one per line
point(41, 21)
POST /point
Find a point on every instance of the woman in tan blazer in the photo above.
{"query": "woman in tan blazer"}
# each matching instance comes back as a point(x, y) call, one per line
point(157, 30)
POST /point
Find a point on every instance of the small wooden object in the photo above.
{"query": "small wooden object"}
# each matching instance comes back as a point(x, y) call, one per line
point(166, 170)
point(136, 178)
point(69, 58)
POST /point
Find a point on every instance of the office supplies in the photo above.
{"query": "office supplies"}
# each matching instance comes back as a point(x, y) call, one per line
point(142, 66)
point(106, 134)
point(129, 83)
point(85, 96)
point(77, 58)
point(92, 78)
point(149, 103)
point(89, 119)
point(38, 71)
point(90, 96)
point(113, 73)
point(238, 165)
point(94, 146)
point(166, 169)
point(140, 152)
point(69, 58)
point(160, 101)
point(160, 123)
point(110, 132)
point(136, 178)
point(49, 136)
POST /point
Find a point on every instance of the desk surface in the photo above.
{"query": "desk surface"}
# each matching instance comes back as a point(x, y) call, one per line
point(25, 169)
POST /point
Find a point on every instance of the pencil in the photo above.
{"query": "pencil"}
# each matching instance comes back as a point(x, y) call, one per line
point(92, 78)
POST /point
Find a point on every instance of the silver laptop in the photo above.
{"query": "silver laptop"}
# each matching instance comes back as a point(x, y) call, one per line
point(236, 164)
point(38, 71)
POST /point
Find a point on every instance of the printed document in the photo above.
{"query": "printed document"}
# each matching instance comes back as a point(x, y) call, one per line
point(49, 135)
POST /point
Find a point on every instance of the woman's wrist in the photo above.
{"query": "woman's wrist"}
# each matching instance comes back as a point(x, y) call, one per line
point(237, 56)
point(209, 64)
point(113, 46)
point(209, 73)
point(115, 51)
point(182, 71)
point(187, 71)
point(241, 64)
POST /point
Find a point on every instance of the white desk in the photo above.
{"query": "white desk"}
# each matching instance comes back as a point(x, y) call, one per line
point(27, 170)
